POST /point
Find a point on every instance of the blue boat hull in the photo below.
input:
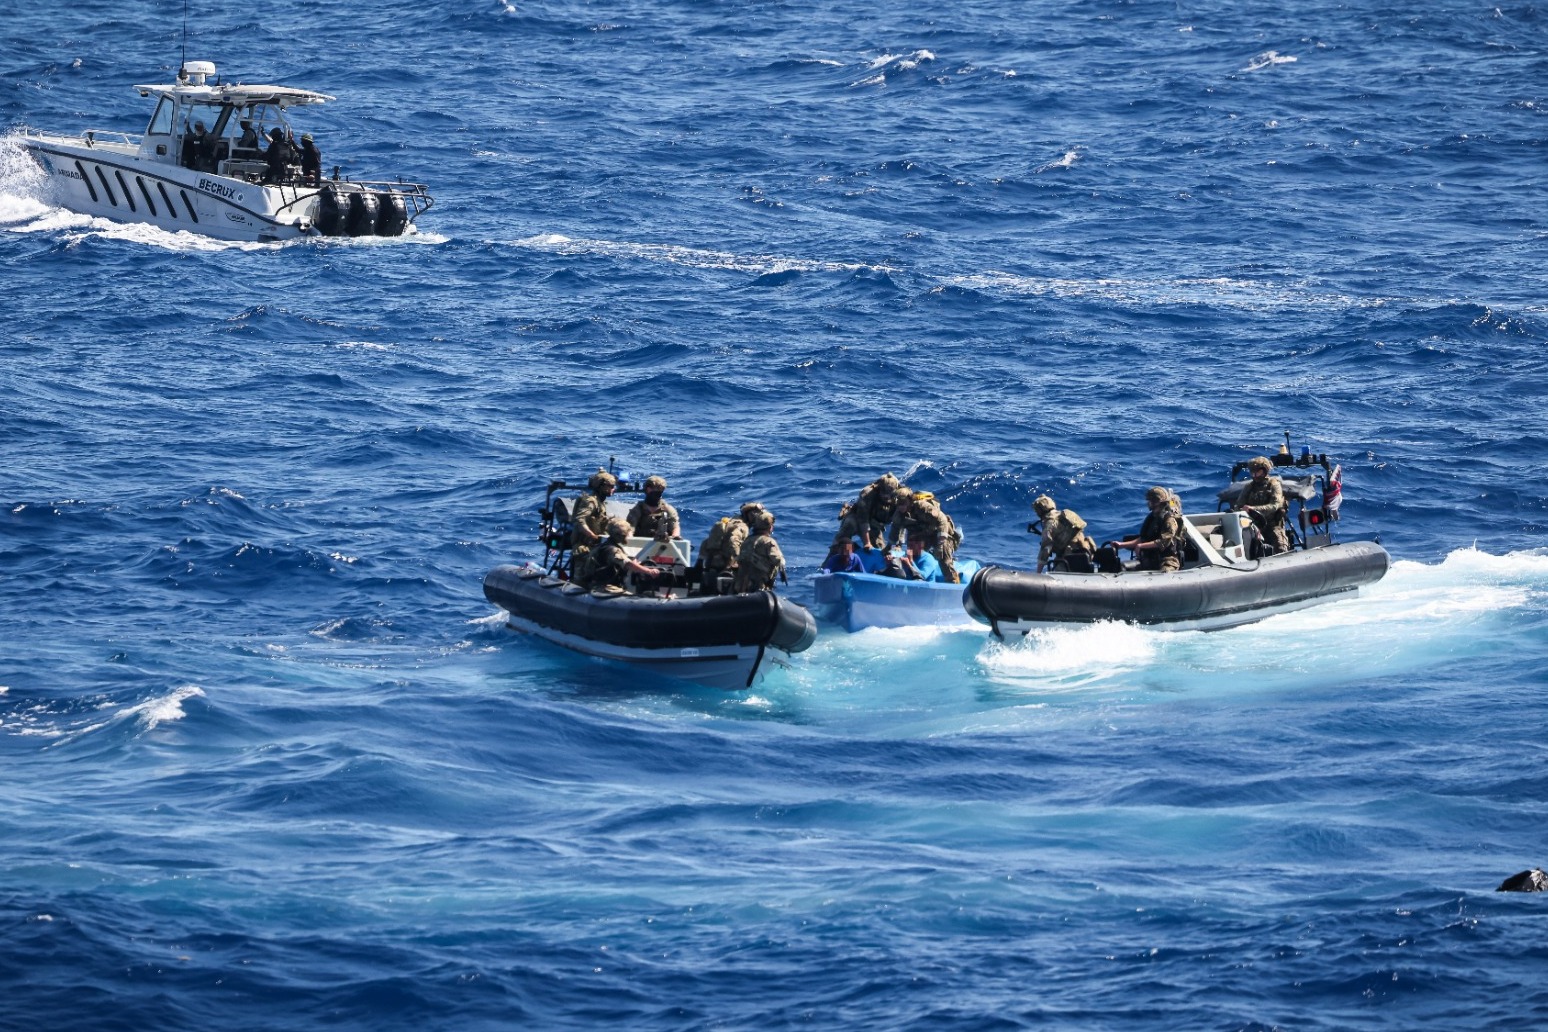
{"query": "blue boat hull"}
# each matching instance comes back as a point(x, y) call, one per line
point(856, 601)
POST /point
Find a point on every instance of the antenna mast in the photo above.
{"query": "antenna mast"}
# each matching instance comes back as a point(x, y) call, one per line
point(182, 64)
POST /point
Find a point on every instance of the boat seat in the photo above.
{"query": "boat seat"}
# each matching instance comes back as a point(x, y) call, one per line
point(236, 168)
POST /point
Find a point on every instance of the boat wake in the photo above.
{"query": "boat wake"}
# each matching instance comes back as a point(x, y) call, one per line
point(1418, 616)
point(22, 184)
point(691, 257)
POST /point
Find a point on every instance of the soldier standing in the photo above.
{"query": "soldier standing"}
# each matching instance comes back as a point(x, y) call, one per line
point(589, 521)
point(651, 517)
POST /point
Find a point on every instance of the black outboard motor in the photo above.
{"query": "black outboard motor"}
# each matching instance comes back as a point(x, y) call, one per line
point(332, 210)
point(392, 214)
point(362, 214)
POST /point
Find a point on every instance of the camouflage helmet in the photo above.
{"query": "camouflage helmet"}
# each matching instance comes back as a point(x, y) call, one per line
point(655, 483)
point(601, 479)
point(888, 483)
point(904, 493)
point(761, 521)
point(1158, 494)
point(618, 530)
point(1261, 462)
point(1044, 504)
point(750, 509)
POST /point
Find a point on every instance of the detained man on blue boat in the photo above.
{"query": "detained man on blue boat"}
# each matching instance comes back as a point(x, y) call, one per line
point(915, 564)
point(844, 560)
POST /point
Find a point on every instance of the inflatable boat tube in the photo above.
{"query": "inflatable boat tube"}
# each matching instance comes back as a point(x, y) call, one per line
point(1205, 597)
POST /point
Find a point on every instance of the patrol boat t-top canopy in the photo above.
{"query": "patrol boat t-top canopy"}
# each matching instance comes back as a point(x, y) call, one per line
point(244, 177)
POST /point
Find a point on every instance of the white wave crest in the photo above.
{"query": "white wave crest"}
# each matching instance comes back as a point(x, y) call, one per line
point(1268, 59)
point(1066, 161)
point(153, 712)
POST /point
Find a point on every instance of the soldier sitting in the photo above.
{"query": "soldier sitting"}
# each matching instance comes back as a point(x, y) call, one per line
point(608, 566)
point(1159, 544)
point(1263, 500)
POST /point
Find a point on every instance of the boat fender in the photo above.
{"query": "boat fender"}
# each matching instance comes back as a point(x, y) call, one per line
point(361, 220)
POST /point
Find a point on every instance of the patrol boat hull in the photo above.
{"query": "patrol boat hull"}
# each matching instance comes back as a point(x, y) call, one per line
point(110, 180)
point(1202, 598)
point(856, 601)
point(721, 641)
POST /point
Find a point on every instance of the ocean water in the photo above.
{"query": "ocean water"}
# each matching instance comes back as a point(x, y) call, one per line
point(270, 760)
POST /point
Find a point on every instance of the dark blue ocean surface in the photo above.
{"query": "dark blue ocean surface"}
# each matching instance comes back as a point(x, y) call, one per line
point(271, 761)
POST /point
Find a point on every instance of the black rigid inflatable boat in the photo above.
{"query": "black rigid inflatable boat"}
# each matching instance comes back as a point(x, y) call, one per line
point(717, 640)
point(1225, 579)
point(721, 640)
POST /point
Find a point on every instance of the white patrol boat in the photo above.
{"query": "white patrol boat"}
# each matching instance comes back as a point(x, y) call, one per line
point(225, 184)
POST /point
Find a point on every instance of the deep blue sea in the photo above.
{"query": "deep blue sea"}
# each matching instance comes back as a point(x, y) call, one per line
point(269, 760)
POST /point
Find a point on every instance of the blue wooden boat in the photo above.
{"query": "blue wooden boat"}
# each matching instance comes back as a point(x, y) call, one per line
point(856, 601)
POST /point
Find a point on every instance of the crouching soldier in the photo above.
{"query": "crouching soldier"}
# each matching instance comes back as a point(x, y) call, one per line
point(721, 549)
point(867, 517)
point(1064, 540)
point(760, 560)
point(919, 515)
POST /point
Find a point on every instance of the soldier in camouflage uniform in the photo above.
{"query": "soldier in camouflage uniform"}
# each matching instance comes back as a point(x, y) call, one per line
point(760, 560)
point(651, 517)
point(608, 566)
point(1158, 545)
point(1064, 536)
point(867, 517)
point(589, 520)
point(722, 547)
point(1263, 500)
point(918, 514)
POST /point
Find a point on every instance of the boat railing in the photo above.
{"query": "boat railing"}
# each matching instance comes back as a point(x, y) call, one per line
point(417, 194)
point(95, 136)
